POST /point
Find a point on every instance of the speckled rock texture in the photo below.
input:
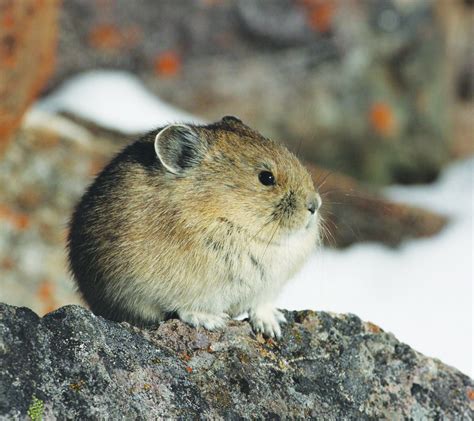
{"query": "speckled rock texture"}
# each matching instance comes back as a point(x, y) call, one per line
point(71, 364)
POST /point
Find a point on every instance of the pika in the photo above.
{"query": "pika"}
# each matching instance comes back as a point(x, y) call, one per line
point(205, 222)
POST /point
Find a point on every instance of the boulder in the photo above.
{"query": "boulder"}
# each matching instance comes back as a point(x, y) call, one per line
point(72, 364)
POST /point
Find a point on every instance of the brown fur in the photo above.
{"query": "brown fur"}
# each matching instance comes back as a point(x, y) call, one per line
point(145, 242)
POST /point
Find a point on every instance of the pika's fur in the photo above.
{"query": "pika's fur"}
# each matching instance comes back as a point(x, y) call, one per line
point(205, 222)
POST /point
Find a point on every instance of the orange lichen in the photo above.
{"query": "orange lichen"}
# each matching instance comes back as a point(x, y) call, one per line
point(320, 18)
point(46, 291)
point(110, 37)
point(382, 118)
point(5, 212)
point(189, 369)
point(105, 37)
point(320, 14)
point(46, 295)
point(49, 308)
point(470, 394)
point(19, 220)
point(373, 327)
point(22, 221)
point(8, 21)
point(271, 342)
point(167, 64)
point(7, 263)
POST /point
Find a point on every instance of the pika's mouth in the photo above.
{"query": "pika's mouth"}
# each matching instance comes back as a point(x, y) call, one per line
point(312, 220)
point(314, 210)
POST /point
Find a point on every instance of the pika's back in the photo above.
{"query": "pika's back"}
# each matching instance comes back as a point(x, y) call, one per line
point(187, 203)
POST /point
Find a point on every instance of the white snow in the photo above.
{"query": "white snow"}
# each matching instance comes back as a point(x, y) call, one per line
point(114, 99)
point(422, 292)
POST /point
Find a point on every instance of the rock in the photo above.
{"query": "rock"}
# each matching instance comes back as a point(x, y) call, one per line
point(354, 86)
point(42, 175)
point(72, 364)
point(27, 50)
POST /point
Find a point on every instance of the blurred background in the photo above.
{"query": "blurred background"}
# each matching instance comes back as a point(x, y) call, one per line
point(376, 96)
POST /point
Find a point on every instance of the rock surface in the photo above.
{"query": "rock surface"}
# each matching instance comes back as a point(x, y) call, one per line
point(71, 364)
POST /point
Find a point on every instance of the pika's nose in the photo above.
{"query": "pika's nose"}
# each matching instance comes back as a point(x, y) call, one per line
point(314, 203)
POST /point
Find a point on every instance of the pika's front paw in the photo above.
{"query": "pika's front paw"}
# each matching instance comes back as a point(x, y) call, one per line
point(267, 320)
point(208, 320)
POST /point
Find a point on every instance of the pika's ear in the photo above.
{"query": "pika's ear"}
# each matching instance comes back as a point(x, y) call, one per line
point(178, 147)
point(230, 119)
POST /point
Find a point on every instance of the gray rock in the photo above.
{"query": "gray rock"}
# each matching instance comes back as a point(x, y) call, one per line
point(71, 364)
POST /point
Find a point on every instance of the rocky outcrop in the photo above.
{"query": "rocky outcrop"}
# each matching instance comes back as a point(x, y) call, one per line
point(71, 364)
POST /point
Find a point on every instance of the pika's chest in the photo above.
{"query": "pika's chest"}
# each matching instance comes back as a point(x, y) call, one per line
point(280, 260)
point(260, 272)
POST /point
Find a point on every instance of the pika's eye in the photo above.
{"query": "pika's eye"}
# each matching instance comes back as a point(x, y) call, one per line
point(267, 178)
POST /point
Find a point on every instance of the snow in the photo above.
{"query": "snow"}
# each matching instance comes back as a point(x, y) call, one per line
point(421, 292)
point(114, 99)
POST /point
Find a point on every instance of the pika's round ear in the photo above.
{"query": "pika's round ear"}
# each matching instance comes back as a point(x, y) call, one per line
point(178, 147)
point(231, 119)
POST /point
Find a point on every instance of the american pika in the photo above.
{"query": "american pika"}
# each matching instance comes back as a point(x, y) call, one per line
point(205, 222)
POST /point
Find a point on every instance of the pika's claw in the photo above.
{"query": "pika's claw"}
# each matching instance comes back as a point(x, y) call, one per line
point(207, 320)
point(266, 320)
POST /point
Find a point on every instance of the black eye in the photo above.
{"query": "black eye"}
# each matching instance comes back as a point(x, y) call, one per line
point(267, 178)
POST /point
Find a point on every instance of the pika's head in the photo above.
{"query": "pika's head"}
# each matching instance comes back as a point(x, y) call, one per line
point(228, 172)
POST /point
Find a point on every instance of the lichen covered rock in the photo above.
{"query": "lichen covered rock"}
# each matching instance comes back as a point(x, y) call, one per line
point(71, 364)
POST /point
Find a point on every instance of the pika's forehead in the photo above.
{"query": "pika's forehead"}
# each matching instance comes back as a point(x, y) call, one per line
point(225, 132)
point(237, 138)
point(238, 143)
